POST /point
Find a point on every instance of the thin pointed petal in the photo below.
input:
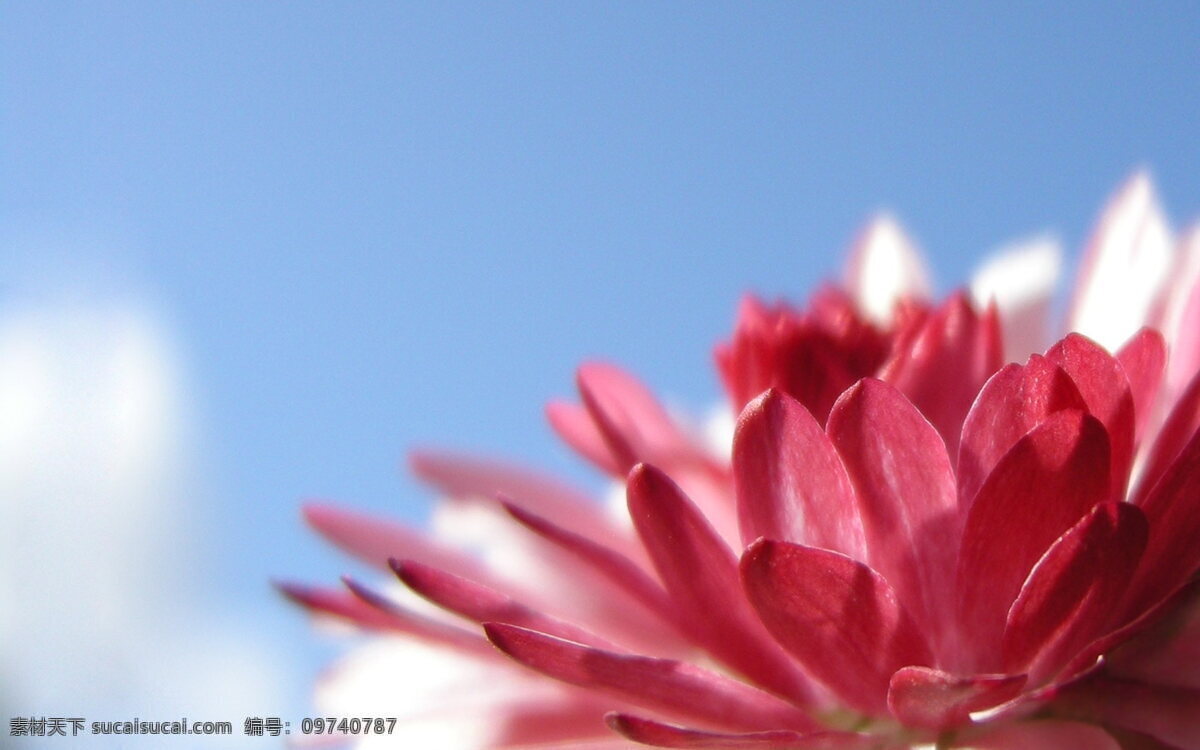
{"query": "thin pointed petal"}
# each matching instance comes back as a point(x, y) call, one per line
point(678, 688)
point(700, 572)
point(1144, 360)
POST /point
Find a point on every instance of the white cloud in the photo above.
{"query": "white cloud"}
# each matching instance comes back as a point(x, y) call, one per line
point(100, 564)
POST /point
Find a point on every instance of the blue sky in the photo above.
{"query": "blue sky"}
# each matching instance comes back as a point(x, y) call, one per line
point(373, 226)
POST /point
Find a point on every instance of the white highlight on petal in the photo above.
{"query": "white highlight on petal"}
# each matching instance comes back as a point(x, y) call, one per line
point(1021, 279)
point(1125, 266)
point(885, 267)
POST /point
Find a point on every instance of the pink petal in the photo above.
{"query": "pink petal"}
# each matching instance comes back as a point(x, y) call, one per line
point(1171, 715)
point(575, 426)
point(1042, 487)
point(1014, 401)
point(678, 688)
point(1105, 388)
point(790, 482)
point(836, 615)
point(376, 540)
point(378, 615)
point(924, 697)
point(466, 477)
point(1173, 509)
point(905, 488)
point(622, 572)
point(1072, 593)
point(943, 368)
point(1125, 266)
point(1144, 360)
point(650, 732)
point(1046, 734)
point(700, 572)
point(482, 604)
point(631, 422)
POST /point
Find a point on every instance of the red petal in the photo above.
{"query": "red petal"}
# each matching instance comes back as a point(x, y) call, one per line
point(905, 488)
point(839, 617)
point(1105, 388)
point(924, 697)
point(1144, 360)
point(790, 482)
point(678, 688)
point(482, 604)
point(1014, 401)
point(1072, 593)
point(650, 732)
point(700, 572)
point(942, 370)
point(1041, 488)
point(1173, 509)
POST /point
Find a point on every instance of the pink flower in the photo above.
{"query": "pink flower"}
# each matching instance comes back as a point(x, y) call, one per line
point(908, 542)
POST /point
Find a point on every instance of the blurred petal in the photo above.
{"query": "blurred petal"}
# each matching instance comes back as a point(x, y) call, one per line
point(1021, 279)
point(1125, 266)
point(884, 268)
point(650, 732)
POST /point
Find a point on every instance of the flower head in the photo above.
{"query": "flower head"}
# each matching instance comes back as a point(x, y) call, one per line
point(907, 542)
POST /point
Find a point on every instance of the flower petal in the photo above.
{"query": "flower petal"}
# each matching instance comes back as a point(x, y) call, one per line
point(790, 482)
point(1173, 510)
point(924, 697)
point(837, 616)
point(1012, 402)
point(650, 732)
point(678, 688)
point(1072, 594)
point(700, 573)
point(885, 268)
point(1105, 388)
point(905, 487)
point(374, 615)
point(1144, 360)
point(1021, 280)
point(942, 369)
point(1042, 487)
point(1172, 438)
point(1125, 266)
point(482, 604)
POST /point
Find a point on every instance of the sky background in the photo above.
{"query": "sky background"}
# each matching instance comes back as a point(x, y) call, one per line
point(291, 241)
